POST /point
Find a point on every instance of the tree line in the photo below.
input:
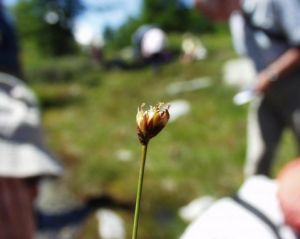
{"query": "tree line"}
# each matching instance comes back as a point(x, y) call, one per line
point(46, 25)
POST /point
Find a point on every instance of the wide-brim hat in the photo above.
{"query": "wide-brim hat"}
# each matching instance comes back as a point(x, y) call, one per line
point(23, 152)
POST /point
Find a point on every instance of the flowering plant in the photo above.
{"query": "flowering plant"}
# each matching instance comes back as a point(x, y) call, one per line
point(149, 124)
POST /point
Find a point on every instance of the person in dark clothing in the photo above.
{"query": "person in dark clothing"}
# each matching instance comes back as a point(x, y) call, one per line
point(9, 48)
point(270, 37)
point(25, 160)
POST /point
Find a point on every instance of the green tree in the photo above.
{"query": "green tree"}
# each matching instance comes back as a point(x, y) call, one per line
point(123, 36)
point(47, 24)
point(170, 15)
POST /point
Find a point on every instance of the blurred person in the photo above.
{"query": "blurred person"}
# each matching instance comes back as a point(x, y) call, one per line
point(97, 50)
point(262, 208)
point(23, 156)
point(192, 48)
point(267, 31)
point(150, 44)
point(25, 159)
point(9, 48)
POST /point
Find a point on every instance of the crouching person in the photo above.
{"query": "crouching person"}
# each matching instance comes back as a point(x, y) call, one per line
point(262, 208)
point(24, 158)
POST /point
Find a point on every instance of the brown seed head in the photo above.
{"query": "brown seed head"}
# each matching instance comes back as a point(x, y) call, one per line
point(151, 122)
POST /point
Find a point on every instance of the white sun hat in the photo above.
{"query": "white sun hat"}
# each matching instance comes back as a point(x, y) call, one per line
point(22, 150)
point(154, 41)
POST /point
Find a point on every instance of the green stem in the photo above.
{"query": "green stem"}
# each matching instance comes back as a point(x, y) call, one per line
point(139, 192)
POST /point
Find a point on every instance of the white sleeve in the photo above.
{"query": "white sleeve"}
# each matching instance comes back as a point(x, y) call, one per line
point(289, 18)
point(237, 29)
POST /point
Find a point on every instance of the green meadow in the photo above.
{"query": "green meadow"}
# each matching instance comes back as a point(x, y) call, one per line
point(88, 114)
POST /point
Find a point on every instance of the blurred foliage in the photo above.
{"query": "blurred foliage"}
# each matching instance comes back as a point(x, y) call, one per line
point(170, 15)
point(166, 14)
point(123, 36)
point(46, 25)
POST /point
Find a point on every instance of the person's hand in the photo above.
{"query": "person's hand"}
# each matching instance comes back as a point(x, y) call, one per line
point(264, 81)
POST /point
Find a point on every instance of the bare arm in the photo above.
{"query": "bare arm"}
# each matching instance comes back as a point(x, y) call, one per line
point(278, 69)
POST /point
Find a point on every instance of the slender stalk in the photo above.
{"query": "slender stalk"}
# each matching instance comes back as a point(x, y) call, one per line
point(139, 192)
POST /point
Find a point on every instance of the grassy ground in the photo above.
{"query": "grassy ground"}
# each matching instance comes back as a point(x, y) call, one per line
point(89, 116)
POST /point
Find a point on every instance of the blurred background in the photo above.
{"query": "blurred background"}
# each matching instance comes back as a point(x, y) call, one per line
point(79, 57)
